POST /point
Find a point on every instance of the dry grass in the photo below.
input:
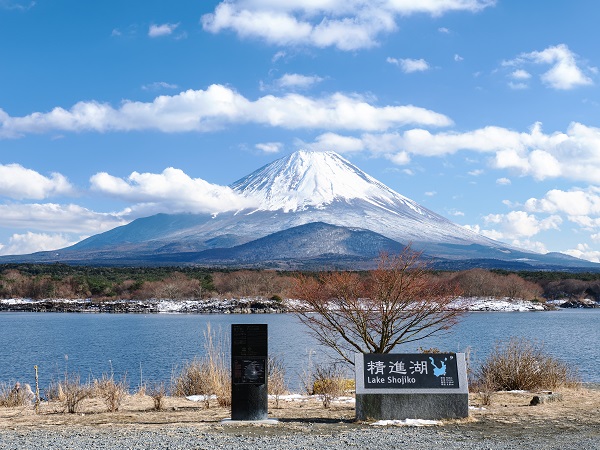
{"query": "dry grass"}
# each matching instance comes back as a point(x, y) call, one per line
point(276, 385)
point(110, 391)
point(209, 375)
point(71, 392)
point(520, 364)
point(328, 382)
point(158, 393)
point(13, 394)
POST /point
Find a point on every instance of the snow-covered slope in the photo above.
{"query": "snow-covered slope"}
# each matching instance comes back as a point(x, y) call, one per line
point(316, 179)
point(310, 186)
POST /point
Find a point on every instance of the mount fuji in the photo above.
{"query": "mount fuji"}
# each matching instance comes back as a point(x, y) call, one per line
point(311, 210)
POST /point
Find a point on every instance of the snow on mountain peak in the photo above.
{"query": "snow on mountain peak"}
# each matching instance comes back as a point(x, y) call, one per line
point(315, 179)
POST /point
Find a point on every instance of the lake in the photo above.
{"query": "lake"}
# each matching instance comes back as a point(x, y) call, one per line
point(152, 347)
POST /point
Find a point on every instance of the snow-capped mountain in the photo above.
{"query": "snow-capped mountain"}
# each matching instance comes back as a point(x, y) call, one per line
point(315, 179)
point(313, 186)
point(314, 208)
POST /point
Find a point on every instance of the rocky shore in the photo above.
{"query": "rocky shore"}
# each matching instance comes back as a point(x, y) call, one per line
point(252, 305)
point(255, 305)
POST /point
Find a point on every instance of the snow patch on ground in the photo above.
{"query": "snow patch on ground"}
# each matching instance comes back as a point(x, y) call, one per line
point(306, 398)
point(200, 398)
point(495, 304)
point(406, 423)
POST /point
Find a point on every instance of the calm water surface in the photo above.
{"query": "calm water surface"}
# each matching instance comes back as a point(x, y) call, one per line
point(152, 347)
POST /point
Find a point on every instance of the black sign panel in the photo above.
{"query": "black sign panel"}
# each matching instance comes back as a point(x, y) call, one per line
point(249, 349)
point(249, 340)
point(410, 371)
point(249, 371)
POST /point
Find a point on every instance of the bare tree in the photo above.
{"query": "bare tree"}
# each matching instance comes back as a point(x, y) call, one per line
point(399, 302)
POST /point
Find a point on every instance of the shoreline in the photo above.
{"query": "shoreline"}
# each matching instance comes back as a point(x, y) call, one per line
point(251, 305)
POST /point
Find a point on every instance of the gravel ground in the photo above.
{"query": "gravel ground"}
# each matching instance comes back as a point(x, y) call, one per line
point(509, 423)
point(241, 438)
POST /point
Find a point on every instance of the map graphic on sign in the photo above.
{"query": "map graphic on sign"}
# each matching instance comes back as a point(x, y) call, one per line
point(438, 371)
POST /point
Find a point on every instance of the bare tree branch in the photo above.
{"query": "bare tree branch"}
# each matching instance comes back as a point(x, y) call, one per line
point(399, 302)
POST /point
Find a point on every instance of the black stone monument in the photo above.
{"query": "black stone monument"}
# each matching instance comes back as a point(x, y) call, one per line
point(249, 355)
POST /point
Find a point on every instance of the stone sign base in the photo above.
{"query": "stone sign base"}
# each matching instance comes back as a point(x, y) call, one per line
point(411, 406)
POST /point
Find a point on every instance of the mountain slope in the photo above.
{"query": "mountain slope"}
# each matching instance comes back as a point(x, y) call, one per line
point(312, 206)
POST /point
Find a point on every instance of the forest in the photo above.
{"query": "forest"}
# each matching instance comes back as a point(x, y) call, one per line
point(60, 281)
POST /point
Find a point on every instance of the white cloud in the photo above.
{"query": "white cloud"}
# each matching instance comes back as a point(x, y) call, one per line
point(297, 81)
point(565, 73)
point(19, 5)
point(55, 218)
point(170, 191)
point(162, 30)
point(444, 30)
point(218, 106)
point(518, 86)
point(269, 147)
point(20, 244)
point(520, 74)
point(410, 65)
point(19, 183)
point(503, 181)
point(576, 202)
point(458, 58)
point(571, 155)
point(279, 55)
point(158, 85)
point(337, 143)
point(583, 251)
point(527, 244)
point(345, 24)
point(517, 225)
point(476, 172)
point(430, 193)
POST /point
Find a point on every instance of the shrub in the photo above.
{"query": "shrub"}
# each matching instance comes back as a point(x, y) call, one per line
point(276, 383)
point(158, 392)
point(71, 392)
point(520, 364)
point(12, 395)
point(111, 392)
point(328, 383)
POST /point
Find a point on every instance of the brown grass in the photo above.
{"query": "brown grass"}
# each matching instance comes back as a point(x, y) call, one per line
point(71, 392)
point(519, 364)
point(158, 393)
point(276, 385)
point(329, 382)
point(13, 394)
point(209, 375)
point(110, 391)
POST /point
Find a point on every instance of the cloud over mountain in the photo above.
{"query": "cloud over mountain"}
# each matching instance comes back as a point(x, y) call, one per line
point(218, 106)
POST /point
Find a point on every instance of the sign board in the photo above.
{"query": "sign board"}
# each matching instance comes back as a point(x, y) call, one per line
point(249, 377)
point(411, 385)
point(249, 353)
point(410, 371)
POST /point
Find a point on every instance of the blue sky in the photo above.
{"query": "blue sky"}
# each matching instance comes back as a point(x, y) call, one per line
point(483, 111)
